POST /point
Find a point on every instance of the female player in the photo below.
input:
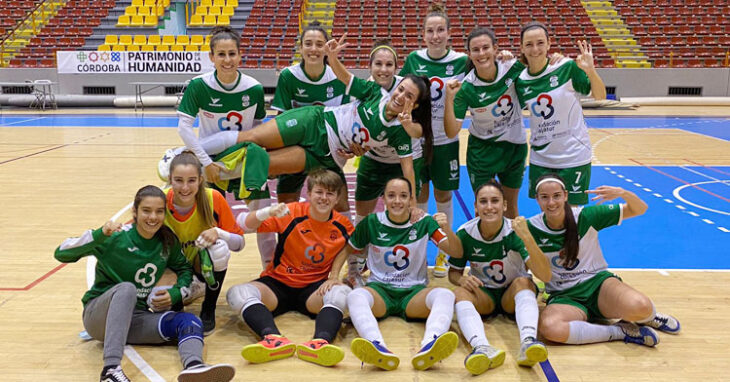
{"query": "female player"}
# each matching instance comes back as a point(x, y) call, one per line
point(396, 256)
point(497, 250)
point(581, 289)
point(312, 82)
point(310, 235)
point(559, 141)
point(225, 100)
point(441, 64)
point(202, 219)
point(311, 137)
point(131, 259)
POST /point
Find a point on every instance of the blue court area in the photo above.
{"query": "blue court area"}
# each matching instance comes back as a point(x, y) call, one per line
point(687, 225)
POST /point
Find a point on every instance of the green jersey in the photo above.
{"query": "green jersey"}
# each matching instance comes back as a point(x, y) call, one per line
point(559, 135)
point(127, 256)
point(294, 89)
point(220, 108)
point(364, 122)
point(496, 261)
point(440, 71)
point(590, 259)
point(396, 253)
point(493, 105)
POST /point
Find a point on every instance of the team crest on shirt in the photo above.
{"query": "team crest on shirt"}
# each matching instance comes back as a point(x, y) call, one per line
point(449, 70)
point(412, 235)
point(508, 82)
point(330, 92)
point(245, 100)
point(554, 81)
point(334, 235)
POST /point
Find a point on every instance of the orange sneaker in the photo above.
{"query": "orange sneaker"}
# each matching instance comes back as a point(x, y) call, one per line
point(320, 352)
point(270, 348)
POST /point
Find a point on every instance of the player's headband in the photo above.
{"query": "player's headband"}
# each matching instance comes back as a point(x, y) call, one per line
point(556, 180)
point(384, 47)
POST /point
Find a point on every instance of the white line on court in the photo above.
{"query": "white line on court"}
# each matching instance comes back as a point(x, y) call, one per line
point(143, 366)
point(705, 175)
point(708, 221)
point(21, 121)
point(723, 229)
point(677, 195)
point(663, 273)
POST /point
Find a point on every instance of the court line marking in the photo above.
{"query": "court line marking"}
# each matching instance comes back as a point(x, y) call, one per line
point(707, 167)
point(679, 197)
point(679, 180)
point(21, 121)
point(142, 365)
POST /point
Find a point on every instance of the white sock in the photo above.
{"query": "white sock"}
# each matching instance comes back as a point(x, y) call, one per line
point(358, 219)
point(441, 303)
point(218, 142)
point(423, 206)
point(360, 303)
point(526, 314)
point(651, 316)
point(470, 323)
point(448, 209)
point(266, 242)
point(582, 332)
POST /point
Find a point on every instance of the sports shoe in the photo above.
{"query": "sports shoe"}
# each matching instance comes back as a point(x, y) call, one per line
point(195, 291)
point(664, 323)
point(436, 350)
point(482, 358)
point(442, 267)
point(113, 374)
point(271, 348)
point(208, 318)
point(320, 352)
point(163, 166)
point(532, 351)
point(207, 373)
point(372, 352)
point(641, 335)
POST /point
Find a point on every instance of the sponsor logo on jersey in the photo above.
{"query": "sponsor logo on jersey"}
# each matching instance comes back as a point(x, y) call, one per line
point(397, 258)
point(495, 271)
point(369, 113)
point(146, 276)
point(232, 121)
point(437, 89)
point(208, 114)
point(554, 81)
point(305, 231)
point(334, 234)
point(543, 106)
point(360, 135)
point(132, 249)
point(421, 68)
point(245, 100)
point(482, 97)
point(576, 188)
point(503, 107)
point(557, 262)
point(508, 82)
point(302, 92)
point(454, 175)
point(544, 240)
point(291, 123)
point(527, 90)
point(383, 236)
point(315, 253)
point(477, 250)
point(214, 102)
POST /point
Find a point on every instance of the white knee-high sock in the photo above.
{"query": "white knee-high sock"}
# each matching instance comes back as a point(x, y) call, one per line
point(266, 242)
point(582, 332)
point(441, 303)
point(470, 323)
point(447, 208)
point(218, 142)
point(360, 303)
point(526, 314)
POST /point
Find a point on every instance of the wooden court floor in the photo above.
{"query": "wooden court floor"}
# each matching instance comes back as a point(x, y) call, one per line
point(57, 182)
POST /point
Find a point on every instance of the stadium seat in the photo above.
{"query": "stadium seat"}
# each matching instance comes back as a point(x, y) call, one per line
point(197, 39)
point(154, 39)
point(104, 47)
point(118, 48)
point(183, 39)
point(191, 48)
point(125, 39)
point(224, 20)
point(209, 20)
point(111, 39)
point(151, 21)
point(124, 21)
point(177, 48)
point(137, 21)
point(196, 21)
point(133, 48)
point(148, 48)
point(168, 40)
point(163, 48)
point(232, 3)
point(214, 11)
point(227, 11)
point(139, 39)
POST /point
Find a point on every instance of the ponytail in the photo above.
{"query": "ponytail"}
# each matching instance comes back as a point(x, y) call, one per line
point(570, 256)
point(422, 114)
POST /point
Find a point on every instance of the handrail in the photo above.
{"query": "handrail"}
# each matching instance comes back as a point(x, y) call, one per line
point(31, 14)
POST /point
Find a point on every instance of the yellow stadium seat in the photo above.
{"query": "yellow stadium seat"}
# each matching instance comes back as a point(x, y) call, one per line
point(206, 3)
point(205, 48)
point(118, 48)
point(137, 3)
point(125, 39)
point(137, 21)
point(144, 11)
point(183, 39)
point(197, 39)
point(163, 48)
point(166, 3)
point(201, 11)
point(227, 11)
point(133, 48)
point(219, 3)
point(130, 10)
point(160, 11)
point(224, 20)
point(214, 11)
point(196, 21)
point(151, 21)
point(154, 39)
point(139, 39)
point(232, 3)
point(150, 3)
point(111, 39)
point(177, 48)
point(124, 21)
point(191, 48)
point(209, 20)
point(104, 47)
point(168, 39)
point(148, 48)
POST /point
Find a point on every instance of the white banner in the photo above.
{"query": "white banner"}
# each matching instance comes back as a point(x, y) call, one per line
point(95, 62)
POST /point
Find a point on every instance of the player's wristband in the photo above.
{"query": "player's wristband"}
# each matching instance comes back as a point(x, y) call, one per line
point(263, 213)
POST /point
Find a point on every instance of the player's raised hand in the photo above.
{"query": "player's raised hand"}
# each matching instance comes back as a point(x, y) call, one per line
point(452, 87)
point(585, 58)
point(441, 219)
point(110, 227)
point(606, 193)
point(333, 47)
point(405, 116)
